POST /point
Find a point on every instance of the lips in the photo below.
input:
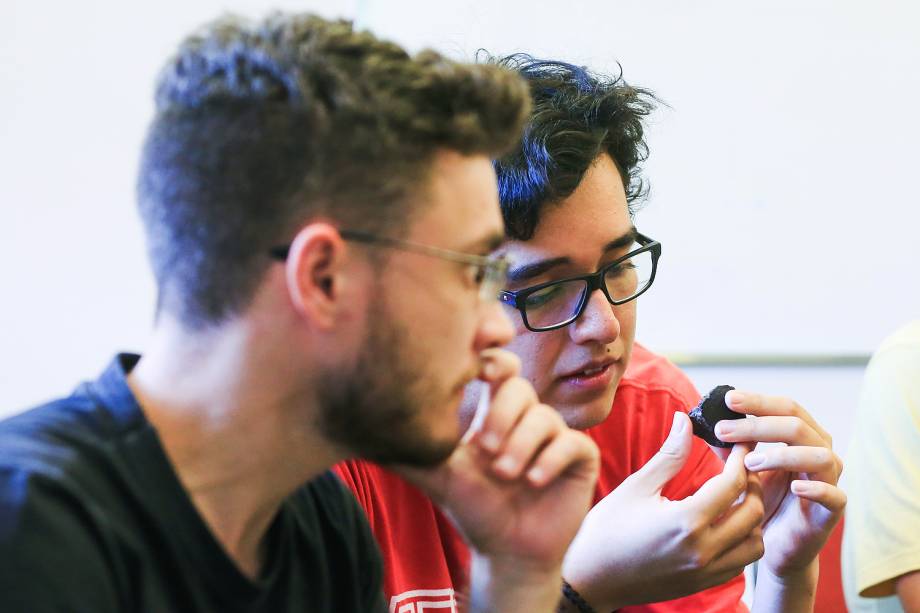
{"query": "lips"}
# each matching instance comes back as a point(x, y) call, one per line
point(589, 369)
point(591, 378)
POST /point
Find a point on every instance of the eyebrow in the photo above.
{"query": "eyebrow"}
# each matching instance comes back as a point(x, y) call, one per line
point(534, 269)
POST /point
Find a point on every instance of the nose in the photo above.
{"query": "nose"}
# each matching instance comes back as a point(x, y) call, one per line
point(598, 323)
point(495, 328)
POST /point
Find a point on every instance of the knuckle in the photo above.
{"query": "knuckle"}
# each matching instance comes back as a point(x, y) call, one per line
point(824, 457)
point(513, 361)
point(758, 548)
point(552, 415)
point(691, 529)
point(699, 559)
point(799, 428)
point(739, 482)
point(522, 388)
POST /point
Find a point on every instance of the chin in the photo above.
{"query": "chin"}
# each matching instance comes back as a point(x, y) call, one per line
point(584, 416)
point(423, 453)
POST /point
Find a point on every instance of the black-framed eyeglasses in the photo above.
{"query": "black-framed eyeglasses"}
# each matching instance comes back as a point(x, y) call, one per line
point(491, 272)
point(556, 304)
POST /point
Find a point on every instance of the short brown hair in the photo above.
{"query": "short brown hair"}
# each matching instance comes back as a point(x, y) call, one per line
point(260, 127)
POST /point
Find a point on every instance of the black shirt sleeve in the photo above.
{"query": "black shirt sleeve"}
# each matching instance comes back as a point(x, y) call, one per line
point(51, 557)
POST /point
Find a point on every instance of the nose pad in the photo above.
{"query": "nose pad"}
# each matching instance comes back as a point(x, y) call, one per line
point(495, 327)
point(598, 322)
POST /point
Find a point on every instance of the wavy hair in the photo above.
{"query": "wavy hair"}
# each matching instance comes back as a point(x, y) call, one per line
point(576, 116)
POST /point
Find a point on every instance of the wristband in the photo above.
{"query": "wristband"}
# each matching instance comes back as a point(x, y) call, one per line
point(569, 593)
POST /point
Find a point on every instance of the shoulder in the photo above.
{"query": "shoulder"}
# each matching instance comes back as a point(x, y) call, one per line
point(52, 546)
point(61, 491)
point(890, 394)
point(898, 357)
point(66, 442)
point(332, 522)
point(325, 505)
point(328, 495)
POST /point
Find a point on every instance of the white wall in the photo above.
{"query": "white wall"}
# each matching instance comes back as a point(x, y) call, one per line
point(782, 174)
point(76, 86)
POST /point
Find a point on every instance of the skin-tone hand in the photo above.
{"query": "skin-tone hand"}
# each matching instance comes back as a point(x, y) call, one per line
point(907, 588)
point(636, 546)
point(801, 497)
point(518, 489)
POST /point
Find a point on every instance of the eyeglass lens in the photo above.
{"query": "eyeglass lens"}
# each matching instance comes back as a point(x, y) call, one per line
point(561, 302)
point(494, 277)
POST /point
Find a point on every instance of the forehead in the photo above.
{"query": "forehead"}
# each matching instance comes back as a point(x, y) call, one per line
point(459, 203)
point(579, 226)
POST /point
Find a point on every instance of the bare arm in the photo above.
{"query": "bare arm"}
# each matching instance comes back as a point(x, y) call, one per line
point(907, 588)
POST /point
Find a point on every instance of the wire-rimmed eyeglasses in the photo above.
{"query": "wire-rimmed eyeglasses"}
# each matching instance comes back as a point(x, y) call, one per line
point(491, 272)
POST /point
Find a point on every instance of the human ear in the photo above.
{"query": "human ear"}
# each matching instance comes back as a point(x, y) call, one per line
point(313, 273)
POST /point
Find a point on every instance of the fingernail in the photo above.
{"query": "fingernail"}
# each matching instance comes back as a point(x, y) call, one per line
point(800, 487)
point(490, 441)
point(734, 398)
point(535, 474)
point(753, 460)
point(506, 464)
point(678, 425)
point(726, 426)
point(489, 369)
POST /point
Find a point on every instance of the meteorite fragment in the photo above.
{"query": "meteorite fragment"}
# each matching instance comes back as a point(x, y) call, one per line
point(710, 411)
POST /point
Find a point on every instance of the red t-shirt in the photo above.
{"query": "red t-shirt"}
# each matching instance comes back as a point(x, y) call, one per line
point(426, 560)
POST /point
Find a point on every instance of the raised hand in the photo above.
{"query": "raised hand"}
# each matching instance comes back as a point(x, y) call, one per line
point(799, 478)
point(518, 488)
point(636, 546)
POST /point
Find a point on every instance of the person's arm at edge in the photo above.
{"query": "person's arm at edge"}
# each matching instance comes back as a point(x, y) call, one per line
point(907, 587)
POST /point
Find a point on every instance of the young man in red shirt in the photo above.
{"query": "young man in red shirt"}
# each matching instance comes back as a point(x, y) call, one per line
point(666, 523)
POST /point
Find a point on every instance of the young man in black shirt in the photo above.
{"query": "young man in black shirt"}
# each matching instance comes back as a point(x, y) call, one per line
point(319, 208)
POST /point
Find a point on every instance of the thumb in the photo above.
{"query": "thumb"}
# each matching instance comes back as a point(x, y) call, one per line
point(665, 464)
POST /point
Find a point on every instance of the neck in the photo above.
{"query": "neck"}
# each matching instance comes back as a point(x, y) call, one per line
point(236, 422)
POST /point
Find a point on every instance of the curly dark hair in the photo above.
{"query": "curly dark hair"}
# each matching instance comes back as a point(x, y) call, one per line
point(576, 116)
point(261, 126)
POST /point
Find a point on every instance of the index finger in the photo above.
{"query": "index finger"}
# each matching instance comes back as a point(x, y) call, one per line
point(760, 405)
point(721, 491)
point(498, 365)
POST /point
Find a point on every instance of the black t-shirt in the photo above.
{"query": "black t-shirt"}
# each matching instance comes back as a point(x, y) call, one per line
point(94, 519)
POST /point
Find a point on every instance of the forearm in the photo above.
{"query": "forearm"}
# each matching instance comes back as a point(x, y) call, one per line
point(908, 590)
point(512, 585)
point(788, 594)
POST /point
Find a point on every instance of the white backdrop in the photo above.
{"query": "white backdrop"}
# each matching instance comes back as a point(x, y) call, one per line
point(782, 173)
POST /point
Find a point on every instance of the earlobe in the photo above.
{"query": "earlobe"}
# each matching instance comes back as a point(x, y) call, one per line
point(313, 266)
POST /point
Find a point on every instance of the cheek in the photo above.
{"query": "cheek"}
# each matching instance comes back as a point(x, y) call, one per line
point(538, 352)
point(626, 316)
